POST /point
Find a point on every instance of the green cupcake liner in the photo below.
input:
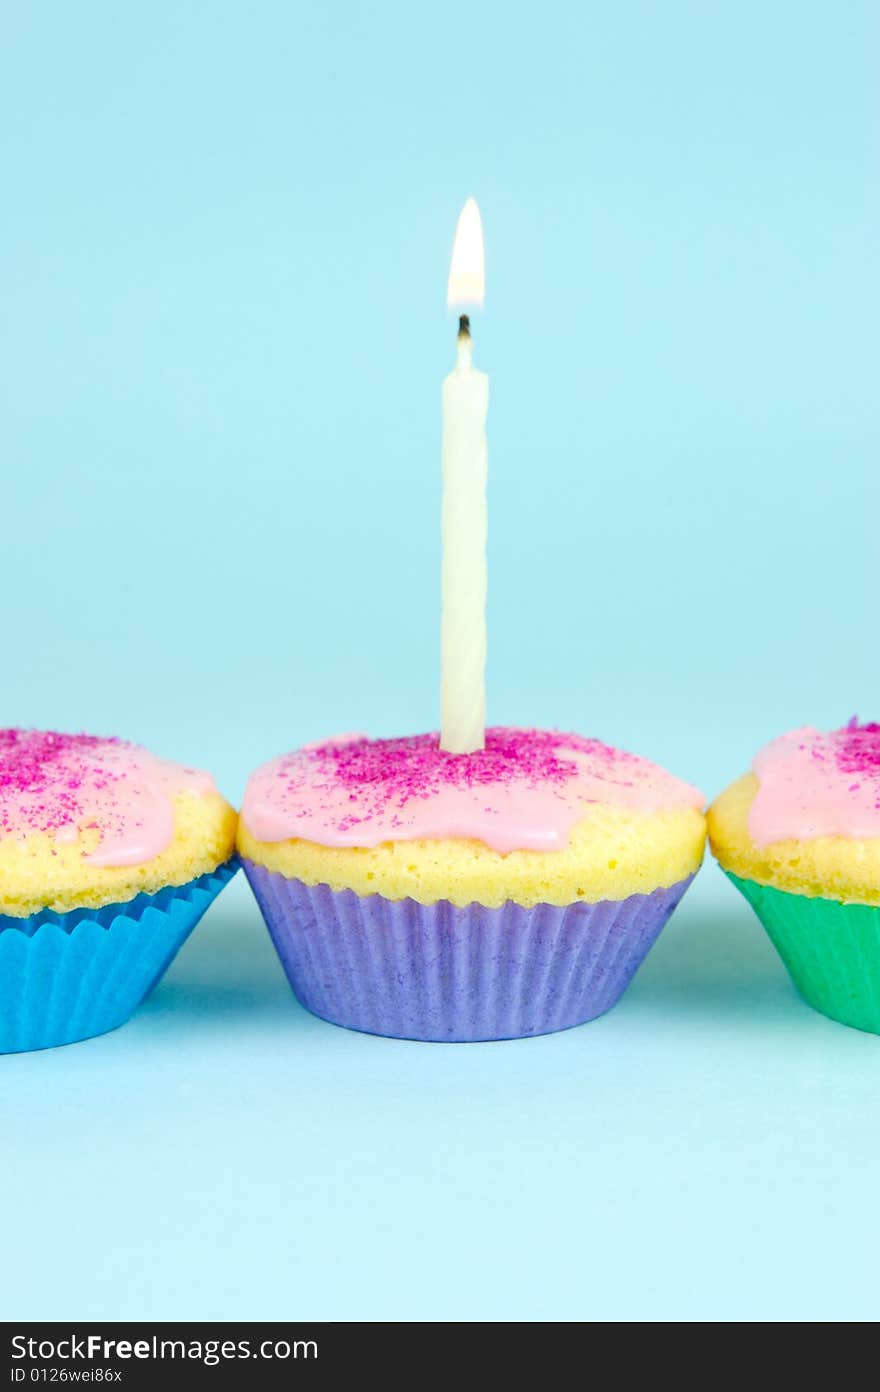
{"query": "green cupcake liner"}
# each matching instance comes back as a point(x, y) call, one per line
point(831, 950)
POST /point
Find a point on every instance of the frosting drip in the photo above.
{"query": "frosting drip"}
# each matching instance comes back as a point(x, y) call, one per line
point(815, 784)
point(524, 791)
point(59, 785)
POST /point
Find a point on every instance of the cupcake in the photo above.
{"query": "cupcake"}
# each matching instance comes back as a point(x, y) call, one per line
point(800, 837)
point(109, 857)
point(426, 895)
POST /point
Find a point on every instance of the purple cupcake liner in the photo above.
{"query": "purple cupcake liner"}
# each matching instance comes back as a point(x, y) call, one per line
point(442, 973)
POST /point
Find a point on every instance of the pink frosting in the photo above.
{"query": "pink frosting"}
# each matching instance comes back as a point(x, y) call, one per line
point(62, 784)
point(524, 791)
point(814, 784)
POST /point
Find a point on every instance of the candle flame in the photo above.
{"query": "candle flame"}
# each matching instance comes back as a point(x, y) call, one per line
point(467, 270)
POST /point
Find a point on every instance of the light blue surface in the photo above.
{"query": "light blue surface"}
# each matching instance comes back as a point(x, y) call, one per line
point(224, 243)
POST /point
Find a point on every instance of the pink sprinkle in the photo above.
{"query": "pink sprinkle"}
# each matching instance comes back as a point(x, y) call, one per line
point(385, 773)
point(523, 791)
point(818, 784)
point(56, 784)
point(857, 749)
point(45, 763)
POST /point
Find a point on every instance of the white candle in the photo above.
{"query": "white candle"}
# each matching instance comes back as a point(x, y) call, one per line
point(465, 465)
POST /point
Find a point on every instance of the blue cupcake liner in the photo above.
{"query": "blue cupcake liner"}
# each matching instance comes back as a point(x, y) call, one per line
point(65, 977)
point(437, 972)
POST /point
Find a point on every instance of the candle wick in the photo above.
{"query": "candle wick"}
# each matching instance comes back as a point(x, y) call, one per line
point(464, 326)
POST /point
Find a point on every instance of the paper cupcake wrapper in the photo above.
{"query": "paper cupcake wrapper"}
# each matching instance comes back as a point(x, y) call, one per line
point(438, 972)
point(831, 950)
point(69, 976)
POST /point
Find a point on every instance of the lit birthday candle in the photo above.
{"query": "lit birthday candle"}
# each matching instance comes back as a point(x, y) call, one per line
point(465, 466)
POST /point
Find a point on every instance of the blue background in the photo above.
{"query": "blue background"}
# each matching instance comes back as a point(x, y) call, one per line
point(224, 246)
